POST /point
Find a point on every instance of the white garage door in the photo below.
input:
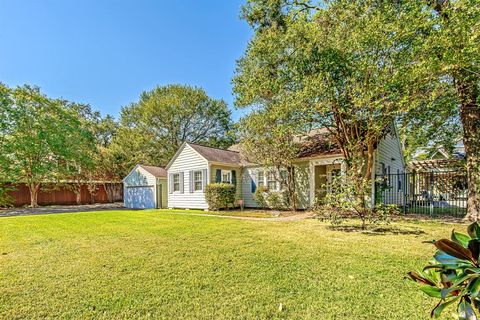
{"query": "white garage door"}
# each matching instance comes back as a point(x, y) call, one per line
point(141, 197)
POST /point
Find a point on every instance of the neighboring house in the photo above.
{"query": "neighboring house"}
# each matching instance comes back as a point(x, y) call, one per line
point(145, 187)
point(441, 153)
point(194, 166)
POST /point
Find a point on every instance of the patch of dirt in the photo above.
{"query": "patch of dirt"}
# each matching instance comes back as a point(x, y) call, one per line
point(377, 230)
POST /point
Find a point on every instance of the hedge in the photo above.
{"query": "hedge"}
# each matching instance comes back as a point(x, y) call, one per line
point(220, 195)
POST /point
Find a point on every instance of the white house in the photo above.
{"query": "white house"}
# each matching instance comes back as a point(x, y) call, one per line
point(194, 166)
point(145, 187)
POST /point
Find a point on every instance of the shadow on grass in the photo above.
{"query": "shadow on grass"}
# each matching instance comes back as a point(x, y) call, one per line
point(377, 230)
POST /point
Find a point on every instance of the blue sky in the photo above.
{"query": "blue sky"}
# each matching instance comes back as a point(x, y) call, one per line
point(107, 52)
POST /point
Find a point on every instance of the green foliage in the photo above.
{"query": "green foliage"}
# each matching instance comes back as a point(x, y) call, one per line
point(42, 140)
point(453, 276)
point(259, 196)
point(346, 199)
point(270, 138)
point(339, 65)
point(220, 195)
point(6, 200)
point(276, 200)
point(153, 128)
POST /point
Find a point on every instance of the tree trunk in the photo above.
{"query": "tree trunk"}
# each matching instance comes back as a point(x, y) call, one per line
point(109, 191)
point(470, 117)
point(292, 189)
point(77, 189)
point(33, 188)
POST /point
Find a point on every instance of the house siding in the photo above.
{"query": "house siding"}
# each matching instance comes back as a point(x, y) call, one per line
point(302, 185)
point(249, 174)
point(390, 155)
point(186, 161)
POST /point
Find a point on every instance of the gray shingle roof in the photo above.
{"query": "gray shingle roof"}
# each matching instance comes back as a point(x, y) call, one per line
point(157, 172)
point(217, 155)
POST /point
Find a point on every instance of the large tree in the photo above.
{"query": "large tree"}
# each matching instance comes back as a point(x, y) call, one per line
point(99, 167)
point(271, 139)
point(153, 128)
point(451, 52)
point(42, 140)
point(341, 62)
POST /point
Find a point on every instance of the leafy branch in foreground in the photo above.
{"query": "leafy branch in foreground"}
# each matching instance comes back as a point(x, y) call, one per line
point(453, 275)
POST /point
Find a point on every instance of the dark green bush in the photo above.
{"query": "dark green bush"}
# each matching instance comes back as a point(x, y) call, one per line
point(220, 195)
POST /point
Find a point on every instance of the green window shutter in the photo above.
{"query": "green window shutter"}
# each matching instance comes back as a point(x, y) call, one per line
point(234, 177)
point(218, 176)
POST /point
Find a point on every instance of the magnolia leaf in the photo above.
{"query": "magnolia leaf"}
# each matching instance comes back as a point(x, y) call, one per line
point(473, 230)
point(474, 247)
point(465, 311)
point(418, 278)
point(441, 306)
point(460, 238)
point(432, 291)
point(474, 287)
point(454, 249)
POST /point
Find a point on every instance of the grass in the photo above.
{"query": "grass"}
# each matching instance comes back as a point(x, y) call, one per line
point(158, 265)
point(253, 213)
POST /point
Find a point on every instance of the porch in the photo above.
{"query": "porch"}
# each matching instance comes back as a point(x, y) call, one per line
point(323, 173)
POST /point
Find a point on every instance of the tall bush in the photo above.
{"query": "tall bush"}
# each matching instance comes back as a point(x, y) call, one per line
point(344, 200)
point(220, 195)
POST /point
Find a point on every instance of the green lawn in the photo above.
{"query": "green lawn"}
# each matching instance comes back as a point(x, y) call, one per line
point(154, 264)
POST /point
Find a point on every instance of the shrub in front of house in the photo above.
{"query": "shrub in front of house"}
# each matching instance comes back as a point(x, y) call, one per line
point(268, 199)
point(220, 195)
point(259, 196)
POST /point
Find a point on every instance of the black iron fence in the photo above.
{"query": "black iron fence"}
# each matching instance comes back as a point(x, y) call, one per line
point(433, 193)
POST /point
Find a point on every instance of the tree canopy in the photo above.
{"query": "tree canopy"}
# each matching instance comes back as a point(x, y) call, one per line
point(153, 128)
point(42, 140)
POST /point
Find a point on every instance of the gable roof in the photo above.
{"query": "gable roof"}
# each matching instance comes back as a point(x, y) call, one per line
point(316, 143)
point(157, 172)
point(216, 154)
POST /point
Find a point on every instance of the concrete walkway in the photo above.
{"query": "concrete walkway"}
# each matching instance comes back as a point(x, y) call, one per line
point(60, 209)
point(296, 217)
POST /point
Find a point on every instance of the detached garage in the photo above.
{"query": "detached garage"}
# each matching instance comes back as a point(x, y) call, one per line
point(145, 187)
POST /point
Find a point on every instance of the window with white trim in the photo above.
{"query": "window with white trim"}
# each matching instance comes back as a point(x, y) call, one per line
point(176, 182)
point(271, 181)
point(197, 181)
point(226, 176)
point(261, 178)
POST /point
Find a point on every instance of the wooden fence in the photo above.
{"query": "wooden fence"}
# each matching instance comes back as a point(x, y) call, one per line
point(63, 195)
